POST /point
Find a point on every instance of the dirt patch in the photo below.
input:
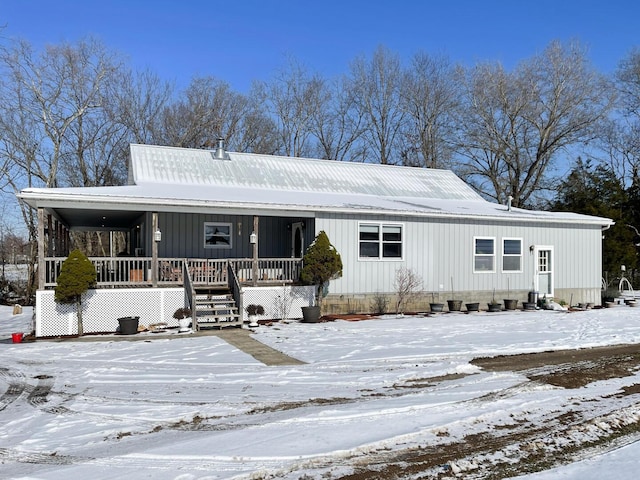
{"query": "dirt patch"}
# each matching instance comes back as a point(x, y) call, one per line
point(539, 446)
point(569, 368)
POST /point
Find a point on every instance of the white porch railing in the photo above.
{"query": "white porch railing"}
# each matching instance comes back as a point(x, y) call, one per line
point(136, 271)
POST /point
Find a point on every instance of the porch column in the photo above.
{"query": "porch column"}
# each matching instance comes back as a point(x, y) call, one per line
point(41, 247)
point(254, 265)
point(154, 249)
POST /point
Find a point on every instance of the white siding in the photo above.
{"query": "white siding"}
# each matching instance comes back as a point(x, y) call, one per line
point(441, 250)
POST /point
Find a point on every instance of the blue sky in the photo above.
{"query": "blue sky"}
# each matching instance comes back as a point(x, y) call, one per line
point(244, 40)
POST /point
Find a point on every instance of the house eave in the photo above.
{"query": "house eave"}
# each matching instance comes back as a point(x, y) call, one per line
point(51, 200)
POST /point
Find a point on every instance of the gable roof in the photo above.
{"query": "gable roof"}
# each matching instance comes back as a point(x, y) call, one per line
point(170, 165)
point(193, 180)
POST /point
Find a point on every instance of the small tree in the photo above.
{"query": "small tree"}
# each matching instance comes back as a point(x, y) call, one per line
point(77, 275)
point(406, 284)
point(320, 264)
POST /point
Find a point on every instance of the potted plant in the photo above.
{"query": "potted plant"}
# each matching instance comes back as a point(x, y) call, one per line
point(454, 305)
point(183, 315)
point(435, 307)
point(473, 306)
point(320, 264)
point(77, 275)
point(253, 310)
point(509, 303)
point(493, 305)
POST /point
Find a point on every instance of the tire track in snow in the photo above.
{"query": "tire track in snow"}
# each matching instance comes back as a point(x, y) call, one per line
point(17, 385)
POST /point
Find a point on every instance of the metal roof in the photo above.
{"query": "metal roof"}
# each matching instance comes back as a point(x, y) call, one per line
point(155, 164)
point(191, 180)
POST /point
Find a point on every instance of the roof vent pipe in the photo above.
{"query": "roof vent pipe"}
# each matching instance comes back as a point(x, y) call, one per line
point(509, 200)
point(219, 153)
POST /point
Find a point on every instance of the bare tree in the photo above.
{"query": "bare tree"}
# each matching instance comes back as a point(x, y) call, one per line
point(429, 97)
point(376, 84)
point(292, 98)
point(44, 98)
point(406, 284)
point(137, 102)
point(207, 110)
point(621, 140)
point(515, 124)
point(338, 124)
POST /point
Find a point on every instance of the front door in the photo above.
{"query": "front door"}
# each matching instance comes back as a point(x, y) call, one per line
point(544, 271)
point(297, 240)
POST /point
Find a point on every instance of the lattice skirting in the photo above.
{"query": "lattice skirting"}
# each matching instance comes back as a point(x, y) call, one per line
point(279, 302)
point(102, 308)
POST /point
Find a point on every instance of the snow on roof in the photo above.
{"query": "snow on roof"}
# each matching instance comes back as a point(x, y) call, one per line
point(190, 180)
point(156, 164)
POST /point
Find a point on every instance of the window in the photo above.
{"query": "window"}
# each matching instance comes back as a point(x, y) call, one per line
point(217, 235)
point(484, 254)
point(511, 255)
point(380, 241)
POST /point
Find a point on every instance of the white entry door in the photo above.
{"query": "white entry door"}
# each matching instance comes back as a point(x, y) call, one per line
point(544, 270)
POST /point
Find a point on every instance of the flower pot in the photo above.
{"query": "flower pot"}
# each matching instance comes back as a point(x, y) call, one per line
point(454, 305)
point(436, 307)
point(510, 304)
point(17, 337)
point(128, 325)
point(529, 305)
point(473, 306)
point(184, 324)
point(494, 307)
point(311, 314)
point(254, 323)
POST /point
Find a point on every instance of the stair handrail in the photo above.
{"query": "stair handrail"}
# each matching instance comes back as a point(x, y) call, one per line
point(189, 294)
point(234, 285)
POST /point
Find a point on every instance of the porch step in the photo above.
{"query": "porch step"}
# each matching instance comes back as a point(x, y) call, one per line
point(216, 310)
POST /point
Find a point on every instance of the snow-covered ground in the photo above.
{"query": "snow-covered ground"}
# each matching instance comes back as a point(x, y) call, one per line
point(197, 408)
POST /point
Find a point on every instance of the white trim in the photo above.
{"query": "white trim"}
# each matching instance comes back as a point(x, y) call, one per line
point(493, 255)
point(49, 199)
point(521, 255)
point(218, 246)
point(550, 272)
point(381, 242)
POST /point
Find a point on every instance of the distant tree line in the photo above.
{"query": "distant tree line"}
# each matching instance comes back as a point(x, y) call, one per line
point(70, 111)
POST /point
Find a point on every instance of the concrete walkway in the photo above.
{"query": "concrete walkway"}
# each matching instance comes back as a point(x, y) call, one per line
point(242, 339)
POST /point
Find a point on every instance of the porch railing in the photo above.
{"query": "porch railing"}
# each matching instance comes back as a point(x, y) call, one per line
point(136, 271)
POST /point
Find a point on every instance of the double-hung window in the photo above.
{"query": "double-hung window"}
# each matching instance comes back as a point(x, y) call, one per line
point(217, 235)
point(484, 254)
point(511, 254)
point(380, 241)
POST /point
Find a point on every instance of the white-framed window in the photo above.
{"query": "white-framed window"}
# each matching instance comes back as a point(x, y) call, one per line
point(217, 235)
point(512, 255)
point(380, 240)
point(484, 254)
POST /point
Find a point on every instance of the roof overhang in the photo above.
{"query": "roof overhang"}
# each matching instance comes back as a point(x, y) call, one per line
point(120, 206)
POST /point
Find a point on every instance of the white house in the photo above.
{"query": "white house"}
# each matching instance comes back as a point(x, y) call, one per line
point(234, 220)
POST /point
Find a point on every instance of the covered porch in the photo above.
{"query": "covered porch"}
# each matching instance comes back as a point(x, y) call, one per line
point(161, 249)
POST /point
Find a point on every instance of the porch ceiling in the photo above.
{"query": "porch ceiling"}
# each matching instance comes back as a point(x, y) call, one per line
point(89, 219)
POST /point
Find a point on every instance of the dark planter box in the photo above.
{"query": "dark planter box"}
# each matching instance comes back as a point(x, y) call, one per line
point(436, 307)
point(473, 307)
point(510, 304)
point(311, 314)
point(495, 307)
point(454, 305)
point(128, 325)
